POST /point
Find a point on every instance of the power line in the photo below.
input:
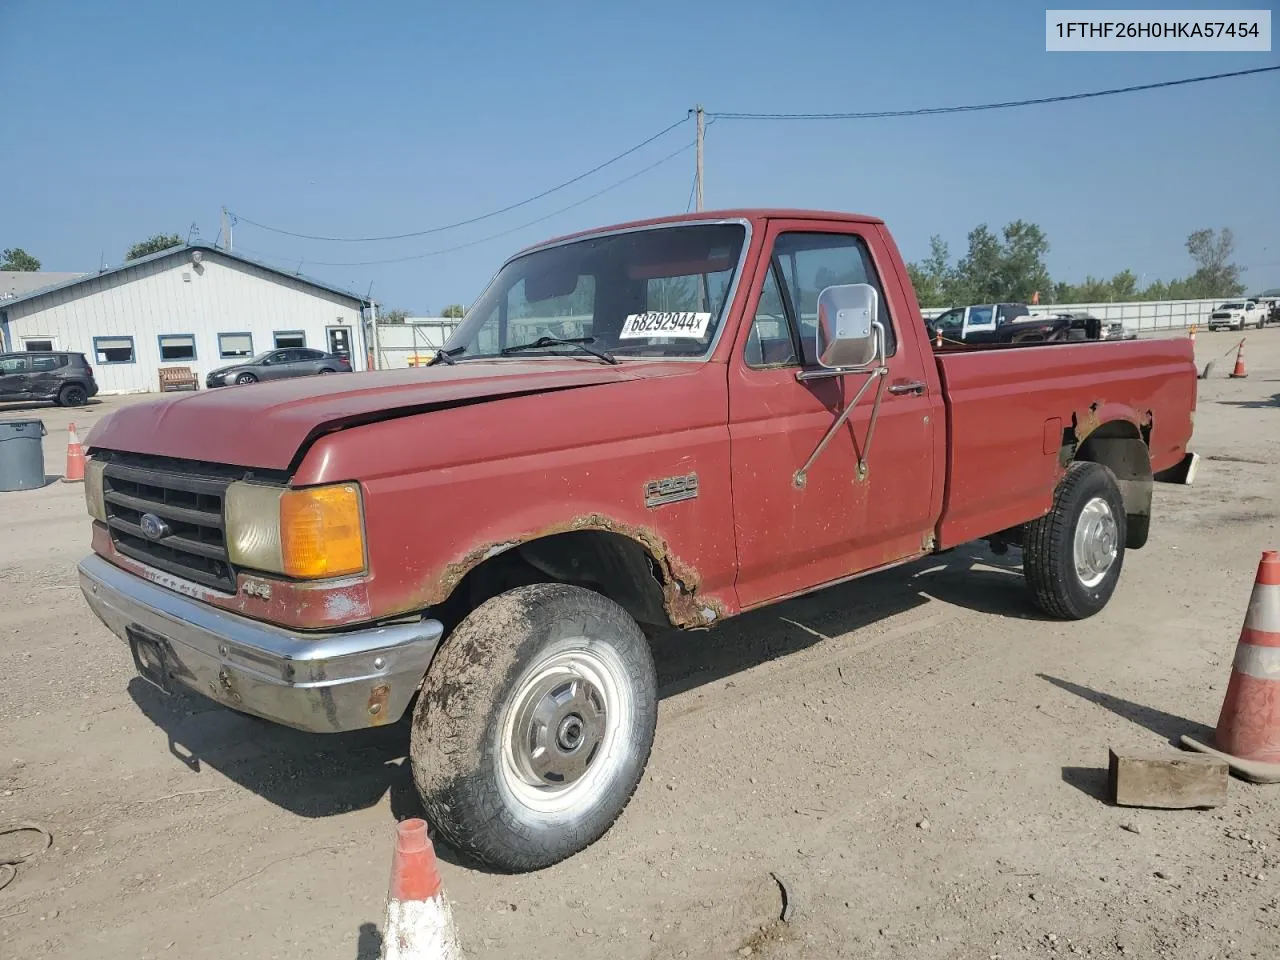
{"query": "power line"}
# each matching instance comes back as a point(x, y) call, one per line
point(971, 108)
point(492, 236)
point(484, 216)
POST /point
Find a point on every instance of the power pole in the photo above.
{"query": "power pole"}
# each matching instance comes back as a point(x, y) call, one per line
point(702, 135)
point(226, 229)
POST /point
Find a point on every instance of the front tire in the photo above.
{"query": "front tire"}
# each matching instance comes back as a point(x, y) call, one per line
point(534, 725)
point(246, 378)
point(1073, 555)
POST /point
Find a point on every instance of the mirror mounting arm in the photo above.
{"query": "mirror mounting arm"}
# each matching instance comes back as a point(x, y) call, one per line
point(878, 375)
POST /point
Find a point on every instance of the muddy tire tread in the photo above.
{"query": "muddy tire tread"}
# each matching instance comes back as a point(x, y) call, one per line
point(463, 697)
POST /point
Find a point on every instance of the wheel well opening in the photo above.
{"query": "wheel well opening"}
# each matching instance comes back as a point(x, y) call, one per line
point(1122, 447)
point(608, 563)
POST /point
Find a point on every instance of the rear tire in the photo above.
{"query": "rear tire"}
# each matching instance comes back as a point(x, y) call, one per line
point(534, 725)
point(1073, 555)
point(73, 395)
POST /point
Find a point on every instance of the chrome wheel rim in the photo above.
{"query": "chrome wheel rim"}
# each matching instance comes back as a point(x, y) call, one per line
point(564, 728)
point(1097, 542)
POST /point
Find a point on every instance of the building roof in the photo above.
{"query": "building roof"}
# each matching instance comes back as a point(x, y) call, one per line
point(19, 283)
point(75, 279)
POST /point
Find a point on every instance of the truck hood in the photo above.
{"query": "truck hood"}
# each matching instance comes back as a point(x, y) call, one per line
point(265, 425)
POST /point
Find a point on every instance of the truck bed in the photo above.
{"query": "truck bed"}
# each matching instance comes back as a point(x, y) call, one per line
point(1012, 408)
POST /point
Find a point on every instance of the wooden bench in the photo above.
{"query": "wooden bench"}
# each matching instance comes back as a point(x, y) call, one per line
point(178, 378)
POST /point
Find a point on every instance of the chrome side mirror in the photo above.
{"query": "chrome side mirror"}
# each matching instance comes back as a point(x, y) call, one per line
point(846, 335)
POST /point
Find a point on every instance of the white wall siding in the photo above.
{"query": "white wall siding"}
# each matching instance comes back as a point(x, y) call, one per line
point(173, 295)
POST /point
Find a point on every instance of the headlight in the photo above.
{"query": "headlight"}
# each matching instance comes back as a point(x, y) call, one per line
point(310, 533)
point(93, 499)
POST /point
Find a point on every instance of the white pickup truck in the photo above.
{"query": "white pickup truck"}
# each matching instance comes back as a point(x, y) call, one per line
point(1238, 314)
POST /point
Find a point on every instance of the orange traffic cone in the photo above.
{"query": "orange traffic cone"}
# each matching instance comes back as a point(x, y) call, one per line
point(419, 923)
point(1239, 372)
point(75, 457)
point(1248, 732)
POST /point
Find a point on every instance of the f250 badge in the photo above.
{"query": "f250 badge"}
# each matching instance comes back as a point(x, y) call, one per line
point(658, 493)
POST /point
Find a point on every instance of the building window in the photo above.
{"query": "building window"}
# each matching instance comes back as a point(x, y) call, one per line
point(37, 346)
point(177, 346)
point(235, 345)
point(113, 349)
point(290, 338)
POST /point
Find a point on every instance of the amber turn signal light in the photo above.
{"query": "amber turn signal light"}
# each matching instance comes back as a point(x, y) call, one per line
point(321, 532)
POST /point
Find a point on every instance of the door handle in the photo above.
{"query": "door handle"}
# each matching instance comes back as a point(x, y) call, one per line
point(907, 386)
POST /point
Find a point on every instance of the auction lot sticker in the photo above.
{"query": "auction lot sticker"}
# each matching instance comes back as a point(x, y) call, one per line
point(685, 326)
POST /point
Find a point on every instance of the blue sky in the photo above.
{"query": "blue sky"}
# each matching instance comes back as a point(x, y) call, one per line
point(341, 118)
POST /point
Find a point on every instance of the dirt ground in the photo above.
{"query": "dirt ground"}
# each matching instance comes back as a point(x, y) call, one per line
point(918, 756)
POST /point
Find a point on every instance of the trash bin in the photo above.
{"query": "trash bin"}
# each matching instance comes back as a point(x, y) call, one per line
point(21, 454)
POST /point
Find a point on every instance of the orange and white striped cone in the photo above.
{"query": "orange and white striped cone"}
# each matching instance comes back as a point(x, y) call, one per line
point(1239, 373)
point(75, 457)
point(1248, 732)
point(419, 923)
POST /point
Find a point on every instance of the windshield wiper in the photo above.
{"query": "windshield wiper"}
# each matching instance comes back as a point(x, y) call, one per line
point(579, 342)
point(445, 356)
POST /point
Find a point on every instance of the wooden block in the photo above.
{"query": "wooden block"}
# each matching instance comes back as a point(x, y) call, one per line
point(1169, 781)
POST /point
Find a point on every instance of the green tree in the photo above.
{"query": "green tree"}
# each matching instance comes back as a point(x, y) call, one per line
point(156, 243)
point(15, 258)
point(1215, 275)
point(1021, 271)
point(933, 276)
point(978, 274)
point(394, 316)
point(454, 311)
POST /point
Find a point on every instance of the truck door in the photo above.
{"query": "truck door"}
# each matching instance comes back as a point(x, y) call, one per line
point(794, 535)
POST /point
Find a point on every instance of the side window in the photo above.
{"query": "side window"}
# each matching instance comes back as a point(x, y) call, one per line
point(811, 262)
point(290, 338)
point(113, 349)
point(50, 362)
point(177, 346)
point(770, 342)
point(952, 321)
point(13, 365)
point(235, 345)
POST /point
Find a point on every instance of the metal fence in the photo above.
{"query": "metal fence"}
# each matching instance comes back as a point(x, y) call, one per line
point(1136, 316)
point(416, 340)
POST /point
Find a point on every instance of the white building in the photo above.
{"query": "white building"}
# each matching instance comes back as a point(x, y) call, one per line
point(194, 305)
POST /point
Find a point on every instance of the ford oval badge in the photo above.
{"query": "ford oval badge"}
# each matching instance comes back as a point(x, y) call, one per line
point(153, 528)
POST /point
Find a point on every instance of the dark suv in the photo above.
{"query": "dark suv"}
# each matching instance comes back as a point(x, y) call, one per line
point(64, 378)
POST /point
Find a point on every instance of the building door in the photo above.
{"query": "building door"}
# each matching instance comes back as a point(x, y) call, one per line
point(339, 341)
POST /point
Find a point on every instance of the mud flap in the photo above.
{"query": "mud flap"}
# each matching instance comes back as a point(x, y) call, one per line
point(1184, 472)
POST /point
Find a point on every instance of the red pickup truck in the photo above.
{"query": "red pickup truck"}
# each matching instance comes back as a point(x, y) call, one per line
point(648, 426)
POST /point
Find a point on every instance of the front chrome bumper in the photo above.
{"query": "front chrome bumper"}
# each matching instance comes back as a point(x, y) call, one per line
point(323, 683)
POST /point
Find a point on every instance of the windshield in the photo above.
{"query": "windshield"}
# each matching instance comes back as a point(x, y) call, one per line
point(647, 293)
point(1232, 306)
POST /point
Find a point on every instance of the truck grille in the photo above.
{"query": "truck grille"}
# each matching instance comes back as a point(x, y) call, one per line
point(187, 496)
